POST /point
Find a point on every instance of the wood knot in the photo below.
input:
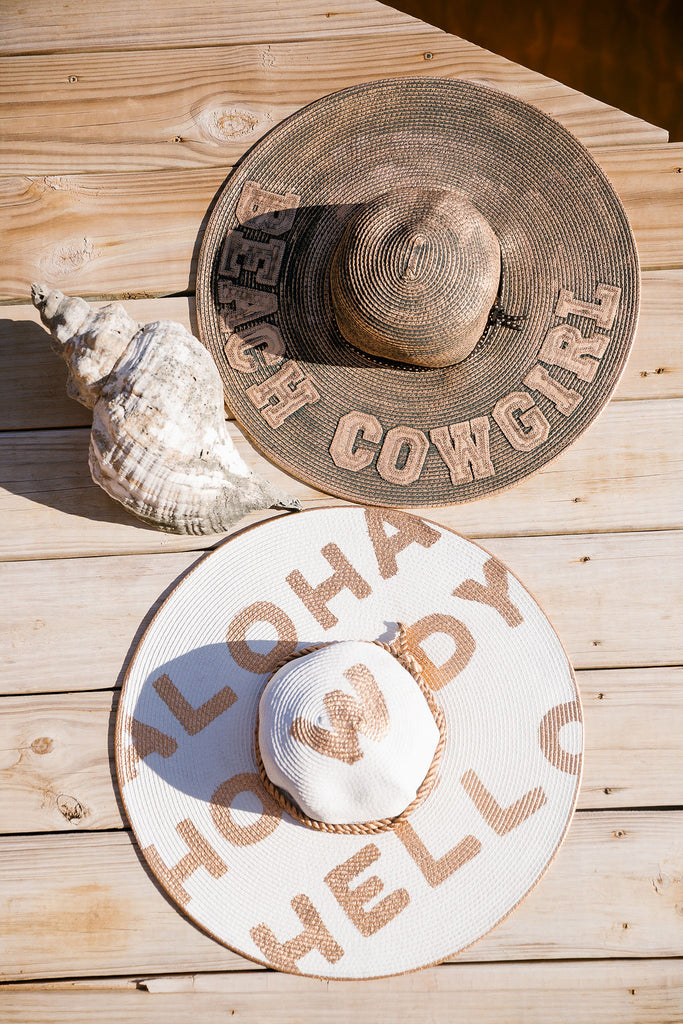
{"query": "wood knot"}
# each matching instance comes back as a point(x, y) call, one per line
point(42, 745)
point(70, 807)
point(222, 124)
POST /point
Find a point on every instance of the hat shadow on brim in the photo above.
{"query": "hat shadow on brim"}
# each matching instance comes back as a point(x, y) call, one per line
point(182, 727)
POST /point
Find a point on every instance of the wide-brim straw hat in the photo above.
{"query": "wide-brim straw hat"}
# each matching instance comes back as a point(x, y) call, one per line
point(417, 291)
point(349, 743)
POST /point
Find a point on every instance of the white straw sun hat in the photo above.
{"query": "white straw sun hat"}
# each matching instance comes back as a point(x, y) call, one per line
point(329, 792)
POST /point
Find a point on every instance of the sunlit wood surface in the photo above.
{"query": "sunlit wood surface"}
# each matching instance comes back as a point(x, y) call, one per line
point(118, 123)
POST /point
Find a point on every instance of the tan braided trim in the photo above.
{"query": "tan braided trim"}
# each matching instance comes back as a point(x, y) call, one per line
point(399, 649)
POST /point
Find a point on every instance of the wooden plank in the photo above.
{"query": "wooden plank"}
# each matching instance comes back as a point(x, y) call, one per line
point(57, 764)
point(204, 106)
point(139, 233)
point(52, 508)
point(88, 234)
point(65, 26)
point(613, 599)
point(650, 185)
point(32, 380)
point(571, 992)
point(84, 905)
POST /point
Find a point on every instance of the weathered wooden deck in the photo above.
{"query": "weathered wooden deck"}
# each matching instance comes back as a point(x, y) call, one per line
point(118, 126)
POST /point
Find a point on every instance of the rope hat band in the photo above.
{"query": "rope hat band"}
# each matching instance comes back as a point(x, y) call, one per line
point(417, 291)
point(405, 768)
point(350, 727)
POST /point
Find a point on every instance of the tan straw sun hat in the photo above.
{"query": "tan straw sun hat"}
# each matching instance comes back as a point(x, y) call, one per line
point(349, 743)
point(417, 291)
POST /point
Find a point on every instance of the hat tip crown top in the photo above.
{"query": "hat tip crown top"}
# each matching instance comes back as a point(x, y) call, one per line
point(415, 276)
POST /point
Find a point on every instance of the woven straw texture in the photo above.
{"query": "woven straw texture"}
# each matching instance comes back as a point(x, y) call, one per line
point(380, 431)
point(331, 905)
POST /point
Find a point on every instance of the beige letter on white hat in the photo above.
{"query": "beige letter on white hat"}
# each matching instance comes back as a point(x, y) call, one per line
point(193, 720)
point(352, 900)
point(236, 637)
point(146, 740)
point(344, 577)
point(244, 835)
point(436, 871)
point(549, 736)
point(284, 955)
point(201, 854)
point(348, 717)
point(501, 819)
point(495, 593)
point(409, 530)
point(465, 646)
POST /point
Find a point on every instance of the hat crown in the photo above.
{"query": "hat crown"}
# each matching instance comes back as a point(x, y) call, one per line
point(346, 732)
point(414, 277)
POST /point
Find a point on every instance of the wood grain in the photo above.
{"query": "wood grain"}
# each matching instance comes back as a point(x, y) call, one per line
point(32, 379)
point(138, 234)
point(204, 106)
point(624, 473)
point(57, 762)
point(85, 905)
point(65, 26)
point(602, 992)
point(70, 624)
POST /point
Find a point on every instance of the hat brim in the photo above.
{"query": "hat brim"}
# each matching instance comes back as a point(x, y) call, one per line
point(459, 430)
point(247, 872)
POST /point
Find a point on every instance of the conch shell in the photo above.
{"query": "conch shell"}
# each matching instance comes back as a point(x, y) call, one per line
point(159, 443)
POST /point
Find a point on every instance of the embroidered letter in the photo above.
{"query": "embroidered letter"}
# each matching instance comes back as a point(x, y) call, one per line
point(316, 598)
point(565, 346)
point(290, 387)
point(495, 594)
point(521, 421)
point(407, 446)
point(270, 212)
point(146, 740)
point(501, 819)
point(343, 448)
point(255, 661)
point(267, 336)
point(549, 737)
point(193, 720)
point(240, 253)
point(409, 531)
point(603, 310)
point(464, 447)
point(348, 717)
point(438, 676)
point(315, 935)
point(244, 835)
point(352, 900)
point(564, 399)
point(238, 304)
point(436, 871)
point(201, 854)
